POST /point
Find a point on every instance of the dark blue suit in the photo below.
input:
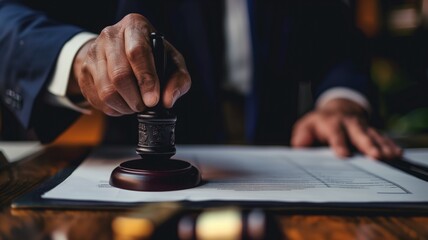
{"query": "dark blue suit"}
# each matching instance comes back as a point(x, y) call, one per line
point(305, 41)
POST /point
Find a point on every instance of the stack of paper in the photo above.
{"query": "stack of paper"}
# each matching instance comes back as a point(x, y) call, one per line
point(274, 174)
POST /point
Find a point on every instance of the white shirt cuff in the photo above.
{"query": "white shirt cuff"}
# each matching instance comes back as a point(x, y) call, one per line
point(343, 93)
point(61, 75)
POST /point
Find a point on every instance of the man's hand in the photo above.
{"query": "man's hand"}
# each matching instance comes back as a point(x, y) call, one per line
point(116, 71)
point(340, 123)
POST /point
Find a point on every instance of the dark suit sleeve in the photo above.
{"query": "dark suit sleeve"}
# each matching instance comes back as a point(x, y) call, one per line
point(346, 74)
point(330, 51)
point(341, 50)
point(29, 45)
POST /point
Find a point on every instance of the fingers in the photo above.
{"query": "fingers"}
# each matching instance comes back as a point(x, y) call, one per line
point(318, 127)
point(119, 73)
point(338, 130)
point(86, 84)
point(336, 137)
point(360, 138)
point(303, 132)
point(389, 150)
point(180, 81)
point(370, 142)
point(139, 54)
point(122, 78)
point(107, 92)
point(398, 151)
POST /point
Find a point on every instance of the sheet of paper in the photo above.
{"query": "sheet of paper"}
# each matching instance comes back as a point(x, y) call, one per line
point(15, 151)
point(253, 174)
point(418, 156)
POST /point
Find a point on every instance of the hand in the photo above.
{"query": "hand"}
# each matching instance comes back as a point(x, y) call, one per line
point(116, 72)
point(339, 123)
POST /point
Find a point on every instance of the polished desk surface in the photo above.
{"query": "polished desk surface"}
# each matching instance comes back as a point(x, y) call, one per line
point(24, 175)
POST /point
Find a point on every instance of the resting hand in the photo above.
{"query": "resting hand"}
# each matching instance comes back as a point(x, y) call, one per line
point(116, 72)
point(339, 123)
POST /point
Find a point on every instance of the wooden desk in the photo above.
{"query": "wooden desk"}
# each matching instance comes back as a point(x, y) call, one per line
point(76, 224)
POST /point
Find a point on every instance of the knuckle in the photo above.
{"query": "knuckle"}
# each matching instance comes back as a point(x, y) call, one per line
point(138, 21)
point(120, 75)
point(92, 47)
point(131, 17)
point(135, 52)
point(107, 94)
point(85, 71)
point(84, 77)
point(108, 32)
point(92, 51)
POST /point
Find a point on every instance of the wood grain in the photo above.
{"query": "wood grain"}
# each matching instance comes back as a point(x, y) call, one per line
point(76, 224)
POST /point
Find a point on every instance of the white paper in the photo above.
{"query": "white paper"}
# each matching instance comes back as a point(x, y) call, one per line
point(418, 156)
point(253, 174)
point(15, 151)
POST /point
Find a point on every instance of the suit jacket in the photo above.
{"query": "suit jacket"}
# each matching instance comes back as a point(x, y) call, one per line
point(292, 40)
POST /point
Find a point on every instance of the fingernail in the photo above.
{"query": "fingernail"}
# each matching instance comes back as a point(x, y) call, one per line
point(150, 99)
point(175, 96)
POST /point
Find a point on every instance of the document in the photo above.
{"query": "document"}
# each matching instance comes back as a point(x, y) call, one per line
point(273, 174)
point(418, 156)
point(15, 151)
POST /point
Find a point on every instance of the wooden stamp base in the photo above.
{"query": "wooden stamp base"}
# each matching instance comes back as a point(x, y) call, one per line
point(152, 175)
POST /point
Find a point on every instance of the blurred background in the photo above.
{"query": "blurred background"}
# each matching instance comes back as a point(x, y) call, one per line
point(397, 35)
